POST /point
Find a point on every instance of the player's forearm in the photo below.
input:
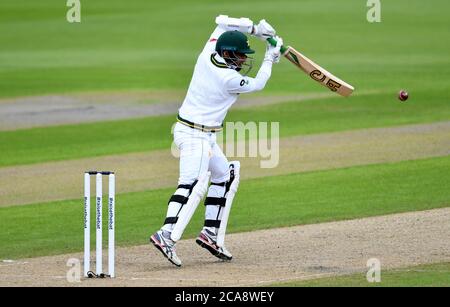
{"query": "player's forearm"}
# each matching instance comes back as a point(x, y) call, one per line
point(263, 75)
point(243, 25)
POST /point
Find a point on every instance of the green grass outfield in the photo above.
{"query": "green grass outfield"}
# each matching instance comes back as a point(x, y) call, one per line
point(153, 45)
point(123, 47)
point(296, 118)
point(431, 275)
point(57, 227)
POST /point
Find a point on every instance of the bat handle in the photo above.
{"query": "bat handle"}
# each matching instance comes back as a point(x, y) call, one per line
point(273, 42)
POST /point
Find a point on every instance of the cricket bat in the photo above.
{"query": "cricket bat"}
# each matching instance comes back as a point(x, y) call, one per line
point(316, 72)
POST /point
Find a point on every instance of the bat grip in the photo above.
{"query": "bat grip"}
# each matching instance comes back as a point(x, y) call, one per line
point(273, 42)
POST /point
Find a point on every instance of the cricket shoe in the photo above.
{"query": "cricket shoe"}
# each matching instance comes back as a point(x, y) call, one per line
point(208, 240)
point(166, 246)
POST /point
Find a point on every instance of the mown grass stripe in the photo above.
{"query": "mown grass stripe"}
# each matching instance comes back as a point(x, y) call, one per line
point(55, 228)
point(125, 136)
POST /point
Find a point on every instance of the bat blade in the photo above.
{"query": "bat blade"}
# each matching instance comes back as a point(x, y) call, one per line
point(318, 73)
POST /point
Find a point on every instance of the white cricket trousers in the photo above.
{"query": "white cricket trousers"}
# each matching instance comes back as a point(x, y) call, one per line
point(199, 153)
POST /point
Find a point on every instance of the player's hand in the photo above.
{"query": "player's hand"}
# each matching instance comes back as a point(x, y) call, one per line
point(263, 30)
point(273, 53)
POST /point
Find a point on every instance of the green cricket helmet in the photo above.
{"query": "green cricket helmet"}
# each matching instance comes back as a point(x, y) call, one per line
point(233, 47)
point(234, 41)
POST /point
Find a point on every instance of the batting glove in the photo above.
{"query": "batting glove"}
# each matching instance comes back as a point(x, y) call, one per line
point(273, 52)
point(263, 30)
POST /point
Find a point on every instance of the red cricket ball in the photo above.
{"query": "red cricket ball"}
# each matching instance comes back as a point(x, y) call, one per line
point(403, 95)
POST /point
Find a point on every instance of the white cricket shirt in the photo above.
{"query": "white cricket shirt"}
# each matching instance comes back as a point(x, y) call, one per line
point(214, 87)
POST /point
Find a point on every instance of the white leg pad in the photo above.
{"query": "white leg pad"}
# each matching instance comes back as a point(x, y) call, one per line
point(187, 212)
point(234, 170)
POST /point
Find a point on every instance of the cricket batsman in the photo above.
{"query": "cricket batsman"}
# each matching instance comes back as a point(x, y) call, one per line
point(220, 75)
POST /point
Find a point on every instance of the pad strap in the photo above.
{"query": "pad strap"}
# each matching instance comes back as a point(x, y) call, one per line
point(220, 184)
point(184, 186)
point(171, 220)
point(178, 199)
point(215, 201)
point(212, 223)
